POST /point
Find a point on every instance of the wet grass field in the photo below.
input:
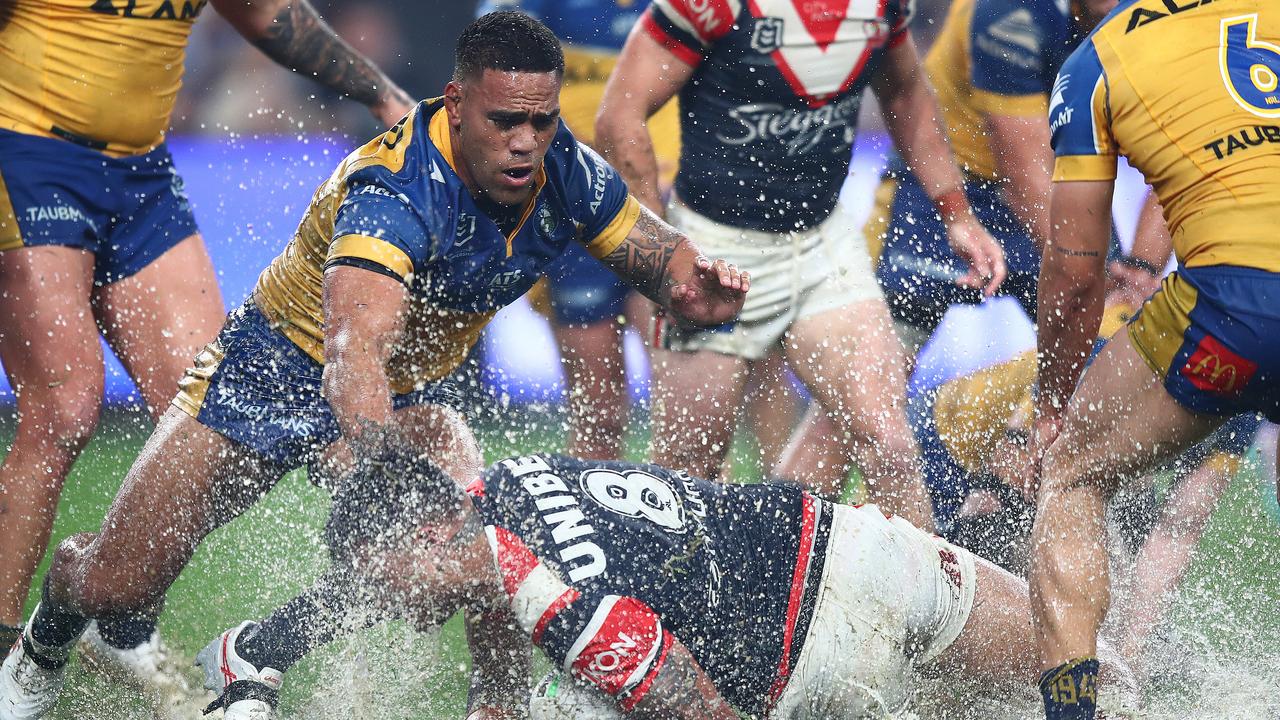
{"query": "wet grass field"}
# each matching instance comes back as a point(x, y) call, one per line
point(1225, 624)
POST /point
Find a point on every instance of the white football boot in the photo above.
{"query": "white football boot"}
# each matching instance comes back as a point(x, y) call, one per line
point(245, 691)
point(147, 668)
point(27, 690)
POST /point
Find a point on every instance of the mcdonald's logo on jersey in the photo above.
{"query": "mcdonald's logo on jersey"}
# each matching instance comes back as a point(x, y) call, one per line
point(1215, 368)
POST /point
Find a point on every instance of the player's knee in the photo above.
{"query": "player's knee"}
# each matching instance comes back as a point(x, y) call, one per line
point(62, 420)
point(98, 584)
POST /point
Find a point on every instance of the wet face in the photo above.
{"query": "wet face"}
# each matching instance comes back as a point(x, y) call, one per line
point(501, 124)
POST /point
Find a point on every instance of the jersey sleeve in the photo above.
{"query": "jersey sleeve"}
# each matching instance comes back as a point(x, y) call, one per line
point(1008, 49)
point(616, 643)
point(377, 228)
point(689, 28)
point(1080, 119)
point(603, 207)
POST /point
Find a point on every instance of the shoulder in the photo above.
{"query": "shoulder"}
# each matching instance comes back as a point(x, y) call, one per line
point(705, 21)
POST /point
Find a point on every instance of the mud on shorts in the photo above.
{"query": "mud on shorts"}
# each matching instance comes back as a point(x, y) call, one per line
point(127, 211)
point(893, 597)
point(794, 275)
point(1212, 335)
point(255, 387)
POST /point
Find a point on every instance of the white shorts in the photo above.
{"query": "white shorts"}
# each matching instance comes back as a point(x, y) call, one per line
point(793, 275)
point(893, 597)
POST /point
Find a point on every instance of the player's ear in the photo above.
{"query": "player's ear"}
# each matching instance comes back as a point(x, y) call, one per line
point(453, 93)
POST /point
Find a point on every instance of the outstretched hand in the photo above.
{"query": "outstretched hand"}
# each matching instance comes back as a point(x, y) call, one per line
point(983, 254)
point(712, 295)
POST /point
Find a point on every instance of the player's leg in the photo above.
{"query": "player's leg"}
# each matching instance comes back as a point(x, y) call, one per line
point(596, 375)
point(695, 399)
point(50, 350)
point(1120, 420)
point(852, 361)
point(157, 319)
point(773, 406)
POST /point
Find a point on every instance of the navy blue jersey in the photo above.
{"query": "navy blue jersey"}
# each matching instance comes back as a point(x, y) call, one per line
point(604, 562)
point(769, 117)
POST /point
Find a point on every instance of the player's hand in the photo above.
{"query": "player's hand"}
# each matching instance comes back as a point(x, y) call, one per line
point(395, 104)
point(712, 295)
point(984, 255)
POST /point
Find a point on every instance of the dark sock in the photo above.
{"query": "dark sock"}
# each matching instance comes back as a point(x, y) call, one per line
point(9, 635)
point(304, 623)
point(1071, 690)
point(126, 632)
point(56, 627)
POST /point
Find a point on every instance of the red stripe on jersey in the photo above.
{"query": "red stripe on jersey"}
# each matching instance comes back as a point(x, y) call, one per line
point(711, 19)
point(634, 697)
point(618, 646)
point(684, 53)
point(560, 603)
point(808, 527)
point(476, 487)
point(515, 561)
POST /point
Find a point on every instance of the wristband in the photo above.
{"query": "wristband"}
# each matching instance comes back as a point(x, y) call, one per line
point(1139, 264)
point(951, 205)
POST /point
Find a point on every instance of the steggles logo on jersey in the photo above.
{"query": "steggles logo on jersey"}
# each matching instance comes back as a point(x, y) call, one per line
point(798, 130)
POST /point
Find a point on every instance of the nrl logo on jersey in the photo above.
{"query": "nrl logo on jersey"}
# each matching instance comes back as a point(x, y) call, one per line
point(466, 229)
point(767, 35)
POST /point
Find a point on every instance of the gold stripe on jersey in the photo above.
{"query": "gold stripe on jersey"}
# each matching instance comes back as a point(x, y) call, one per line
point(1158, 332)
point(10, 233)
point(370, 248)
point(1035, 106)
point(104, 71)
point(617, 230)
point(948, 65)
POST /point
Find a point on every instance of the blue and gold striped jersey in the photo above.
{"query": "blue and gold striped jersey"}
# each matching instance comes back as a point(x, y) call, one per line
point(996, 57)
point(1189, 92)
point(396, 206)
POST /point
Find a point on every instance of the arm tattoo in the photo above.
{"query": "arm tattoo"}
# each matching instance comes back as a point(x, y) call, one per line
point(681, 691)
point(300, 40)
point(643, 258)
point(1076, 253)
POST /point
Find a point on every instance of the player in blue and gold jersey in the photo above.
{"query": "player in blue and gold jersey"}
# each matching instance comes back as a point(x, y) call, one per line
point(96, 234)
point(1187, 92)
point(581, 298)
point(342, 353)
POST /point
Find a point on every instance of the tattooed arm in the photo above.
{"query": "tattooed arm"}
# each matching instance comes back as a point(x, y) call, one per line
point(682, 690)
point(293, 34)
point(666, 267)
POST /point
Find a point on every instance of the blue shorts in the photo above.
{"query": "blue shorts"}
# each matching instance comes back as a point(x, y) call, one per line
point(253, 386)
point(582, 290)
point(126, 211)
point(1212, 334)
point(917, 268)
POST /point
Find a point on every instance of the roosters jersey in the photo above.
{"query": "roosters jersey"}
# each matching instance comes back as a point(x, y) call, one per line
point(604, 562)
point(102, 73)
point(996, 57)
point(396, 206)
point(1189, 92)
point(769, 117)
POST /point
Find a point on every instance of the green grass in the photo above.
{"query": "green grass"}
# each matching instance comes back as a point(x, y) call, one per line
point(1229, 601)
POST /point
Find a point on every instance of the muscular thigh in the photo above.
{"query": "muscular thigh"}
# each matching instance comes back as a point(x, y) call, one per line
point(158, 318)
point(695, 400)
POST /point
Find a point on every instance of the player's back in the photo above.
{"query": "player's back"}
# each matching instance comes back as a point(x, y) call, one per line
point(1189, 92)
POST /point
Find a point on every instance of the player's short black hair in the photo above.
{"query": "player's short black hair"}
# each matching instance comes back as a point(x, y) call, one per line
point(506, 40)
point(380, 501)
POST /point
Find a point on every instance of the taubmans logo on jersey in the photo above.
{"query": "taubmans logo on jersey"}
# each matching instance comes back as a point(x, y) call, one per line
point(636, 494)
point(767, 35)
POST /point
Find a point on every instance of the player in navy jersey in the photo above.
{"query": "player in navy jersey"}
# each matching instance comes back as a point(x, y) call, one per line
point(769, 94)
point(346, 346)
point(674, 596)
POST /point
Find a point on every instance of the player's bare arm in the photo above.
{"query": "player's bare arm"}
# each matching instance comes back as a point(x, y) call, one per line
point(364, 318)
point(1072, 280)
point(293, 34)
point(500, 665)
point(912, 117)
point(682, 690)
point(667, 267)
point(1137, 275)
point(646, 77)
point(1025, 162)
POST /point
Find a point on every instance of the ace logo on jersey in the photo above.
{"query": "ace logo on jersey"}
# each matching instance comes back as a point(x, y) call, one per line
point(637, 495)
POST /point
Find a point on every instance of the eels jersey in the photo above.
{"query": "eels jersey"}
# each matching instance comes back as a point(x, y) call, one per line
point(1189, 92)
point(396, 206)
point(604, 561)
point(769, 116)
point(101, 73)
point(997, 57)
